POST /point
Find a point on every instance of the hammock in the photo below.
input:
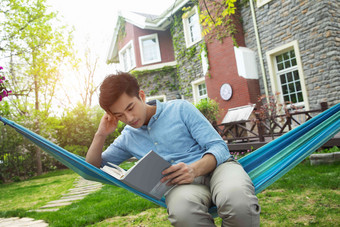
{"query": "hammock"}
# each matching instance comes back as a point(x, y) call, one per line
point(264, 166)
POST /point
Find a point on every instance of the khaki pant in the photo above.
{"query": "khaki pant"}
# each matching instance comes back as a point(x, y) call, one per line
point(229, 187)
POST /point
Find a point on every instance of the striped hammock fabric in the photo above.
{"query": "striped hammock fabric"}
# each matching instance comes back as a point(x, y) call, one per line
point(264, 166)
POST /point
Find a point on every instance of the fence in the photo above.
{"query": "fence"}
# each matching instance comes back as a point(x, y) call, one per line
point(257, 129)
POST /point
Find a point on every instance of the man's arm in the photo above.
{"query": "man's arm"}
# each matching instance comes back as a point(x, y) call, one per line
point(182, 173)
point(108, 124)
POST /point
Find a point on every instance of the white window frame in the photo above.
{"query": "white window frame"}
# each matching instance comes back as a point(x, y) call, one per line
point(158, 52)
point(274, 78)
point(130, 46)
point(186, 28)
point(260, 3)
point(156, 97)
point(195, 90)
point(205, 62)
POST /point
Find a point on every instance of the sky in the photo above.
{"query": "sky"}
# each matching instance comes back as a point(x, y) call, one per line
point(93, 21)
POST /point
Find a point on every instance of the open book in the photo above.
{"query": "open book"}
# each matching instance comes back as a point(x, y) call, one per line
point(144, 176)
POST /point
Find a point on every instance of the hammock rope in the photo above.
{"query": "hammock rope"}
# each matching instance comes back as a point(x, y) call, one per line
point(264, 166)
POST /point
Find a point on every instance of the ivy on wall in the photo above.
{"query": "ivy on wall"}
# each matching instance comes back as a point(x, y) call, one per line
point(189, 66)
point(157, 80)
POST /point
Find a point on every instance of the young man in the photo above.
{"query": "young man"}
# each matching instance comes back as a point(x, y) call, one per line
point(202, 168)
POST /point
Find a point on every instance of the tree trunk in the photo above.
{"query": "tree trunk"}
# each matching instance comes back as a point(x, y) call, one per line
point(37, 149)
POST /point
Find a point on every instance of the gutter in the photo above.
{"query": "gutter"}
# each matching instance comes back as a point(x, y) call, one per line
point(259, 48)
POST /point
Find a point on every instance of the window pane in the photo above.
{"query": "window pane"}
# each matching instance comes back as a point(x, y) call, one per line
point(280, 66)
point(286, 98)
point(194, 29)
point(287, 64)
point(298, 86)
point(300, 97)
point(285, 56)
point(279, 58)
point(284, 89)
point(283, 79)
point(291, 87)
point(293, 98)
point(289, 77)
point(150, 49)
point(294, 62)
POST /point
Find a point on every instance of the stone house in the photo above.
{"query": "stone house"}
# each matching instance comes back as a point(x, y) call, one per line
point(290, 47)
point(299, 42)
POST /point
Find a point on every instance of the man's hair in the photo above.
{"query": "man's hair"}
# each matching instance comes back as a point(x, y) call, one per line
point(114, 85)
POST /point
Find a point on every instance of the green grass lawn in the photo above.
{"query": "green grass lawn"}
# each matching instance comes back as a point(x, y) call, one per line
point(307, 195)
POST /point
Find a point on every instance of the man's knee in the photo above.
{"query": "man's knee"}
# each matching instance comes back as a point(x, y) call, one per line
point(188, 207)
point(234, 195)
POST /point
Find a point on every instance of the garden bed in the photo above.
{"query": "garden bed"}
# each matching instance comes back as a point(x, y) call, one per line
point(325, 158)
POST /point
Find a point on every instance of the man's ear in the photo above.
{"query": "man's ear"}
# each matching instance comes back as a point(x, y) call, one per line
point(142, 95)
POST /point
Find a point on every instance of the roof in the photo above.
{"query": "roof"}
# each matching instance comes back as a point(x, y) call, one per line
point(143, 21)
point(241, 113)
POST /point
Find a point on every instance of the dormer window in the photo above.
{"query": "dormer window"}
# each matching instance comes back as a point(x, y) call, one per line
point(149, 49)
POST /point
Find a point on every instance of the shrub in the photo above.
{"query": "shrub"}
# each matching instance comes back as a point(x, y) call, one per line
point(209, 108)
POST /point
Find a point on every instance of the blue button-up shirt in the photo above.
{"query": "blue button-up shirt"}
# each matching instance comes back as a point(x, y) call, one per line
point(178, 132)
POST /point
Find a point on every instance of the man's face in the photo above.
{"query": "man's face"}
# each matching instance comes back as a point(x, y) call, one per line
point(130, 110)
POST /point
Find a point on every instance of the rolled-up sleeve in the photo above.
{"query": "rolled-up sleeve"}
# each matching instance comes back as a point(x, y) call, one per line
point(204, 133)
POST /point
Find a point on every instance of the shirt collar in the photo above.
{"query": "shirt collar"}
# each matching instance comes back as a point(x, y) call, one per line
point(159, 109)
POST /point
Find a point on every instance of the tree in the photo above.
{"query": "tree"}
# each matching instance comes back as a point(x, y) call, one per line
point(86, 80)
point(35, 46)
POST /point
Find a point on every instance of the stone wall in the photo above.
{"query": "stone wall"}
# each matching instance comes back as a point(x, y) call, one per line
point(156, 82)
point(315, 24)
point(189, 65)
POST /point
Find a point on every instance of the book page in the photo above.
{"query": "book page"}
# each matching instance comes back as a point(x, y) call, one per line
point(114, 170)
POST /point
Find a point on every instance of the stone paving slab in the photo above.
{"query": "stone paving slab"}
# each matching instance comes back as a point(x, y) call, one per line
point(13, 222)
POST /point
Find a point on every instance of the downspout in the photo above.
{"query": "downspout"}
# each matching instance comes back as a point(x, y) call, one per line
point(259, 49)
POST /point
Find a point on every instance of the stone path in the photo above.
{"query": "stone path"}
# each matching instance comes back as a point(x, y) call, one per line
point(81, 189)
point(13, 222)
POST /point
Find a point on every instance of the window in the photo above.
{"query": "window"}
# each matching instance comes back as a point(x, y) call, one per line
point(149, 49)
point(127, 57)
point(260, 3)
point(289, 77)
point(199, 89)
point(161, 98)
point(192, 27)
point(286, 75)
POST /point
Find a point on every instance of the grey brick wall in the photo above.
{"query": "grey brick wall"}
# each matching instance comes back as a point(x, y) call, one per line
point(159, 82)
point(189, 65)
point(315, 24)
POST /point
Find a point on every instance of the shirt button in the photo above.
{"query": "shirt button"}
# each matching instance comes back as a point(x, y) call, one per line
point(172, 161)
point(156, 143)
point(149, 128)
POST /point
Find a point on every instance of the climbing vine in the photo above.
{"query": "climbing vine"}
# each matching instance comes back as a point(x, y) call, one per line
point(188, 59)
point(153, 81)
point(217, 19)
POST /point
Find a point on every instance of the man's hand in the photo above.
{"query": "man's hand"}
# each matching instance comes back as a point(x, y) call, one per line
point(107, 125)
point(180, 173)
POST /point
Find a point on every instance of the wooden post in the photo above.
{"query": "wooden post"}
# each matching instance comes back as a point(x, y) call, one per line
point(324, 106)
point(259, 127)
